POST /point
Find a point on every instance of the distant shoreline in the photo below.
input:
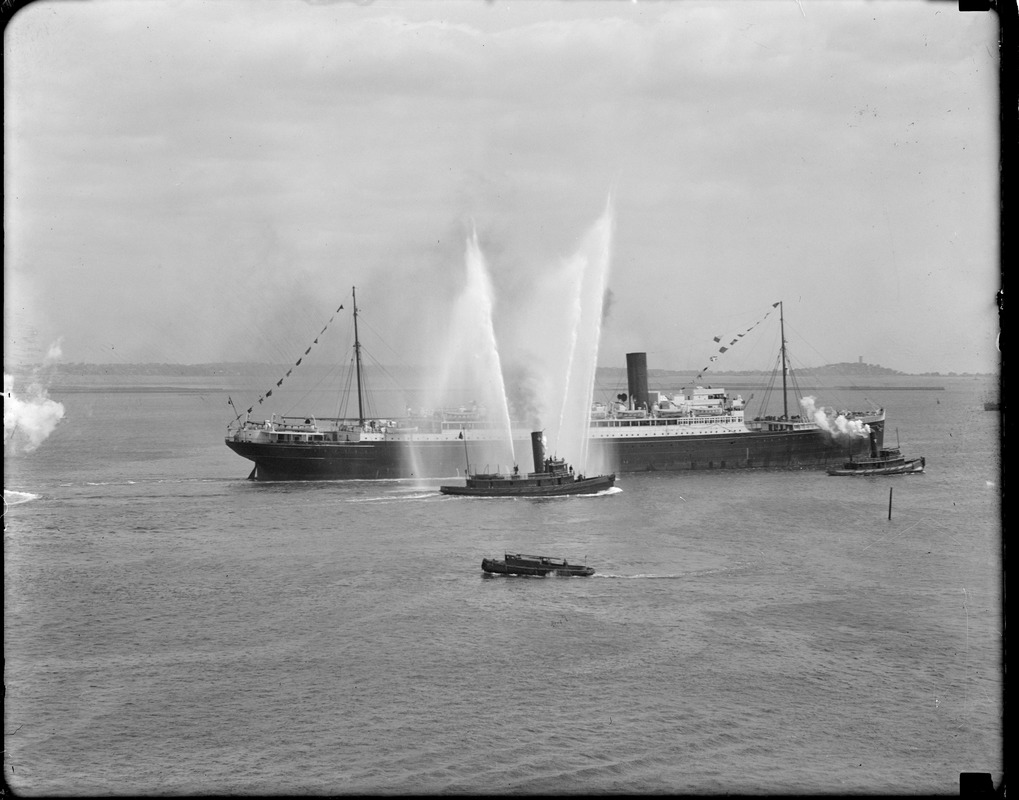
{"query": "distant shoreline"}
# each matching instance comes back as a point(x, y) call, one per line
point(240, 370)
point(108, 389)
point(895, 388)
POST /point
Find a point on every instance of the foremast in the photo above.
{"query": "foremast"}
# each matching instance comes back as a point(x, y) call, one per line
point(785, 369)
point(357, 363)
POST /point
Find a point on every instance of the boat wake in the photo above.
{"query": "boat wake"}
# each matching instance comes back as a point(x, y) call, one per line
point(394, 498)
point(643, 575)
point(734, 569)
point(14, 498)
point(154, 481)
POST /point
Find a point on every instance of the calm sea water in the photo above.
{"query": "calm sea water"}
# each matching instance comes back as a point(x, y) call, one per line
point(171, 627)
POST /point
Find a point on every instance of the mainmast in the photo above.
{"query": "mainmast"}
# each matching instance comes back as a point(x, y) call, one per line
point(357, 361)
point(781, 318)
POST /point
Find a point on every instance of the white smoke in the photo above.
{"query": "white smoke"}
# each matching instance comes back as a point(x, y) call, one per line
point(55, 352)
point(836, 424)
point(29, 418)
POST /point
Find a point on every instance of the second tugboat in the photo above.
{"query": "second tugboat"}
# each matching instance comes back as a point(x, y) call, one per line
point(882, 461)
point(552, 477)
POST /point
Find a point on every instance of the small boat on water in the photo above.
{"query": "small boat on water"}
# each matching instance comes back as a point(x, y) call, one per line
point(552, 477)
point(520, 564)
point(882, 461)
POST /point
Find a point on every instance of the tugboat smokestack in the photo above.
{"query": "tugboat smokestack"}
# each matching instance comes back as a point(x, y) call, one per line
point(636, 379)
point(538, 449)
point(873, 445)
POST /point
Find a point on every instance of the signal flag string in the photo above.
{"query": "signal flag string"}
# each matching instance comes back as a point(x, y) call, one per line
point(739, 336)
point(279, 383)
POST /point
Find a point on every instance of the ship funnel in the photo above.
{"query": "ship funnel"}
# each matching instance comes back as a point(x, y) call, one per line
point(873, 445)
point(636, 379)
point(538, 449)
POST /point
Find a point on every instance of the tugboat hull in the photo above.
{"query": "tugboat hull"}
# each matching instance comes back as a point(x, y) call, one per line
point(910, 467)
point(529, 488)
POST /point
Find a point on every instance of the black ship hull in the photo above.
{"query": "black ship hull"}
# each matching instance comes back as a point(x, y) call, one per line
point(795, 449)
point(427, 459)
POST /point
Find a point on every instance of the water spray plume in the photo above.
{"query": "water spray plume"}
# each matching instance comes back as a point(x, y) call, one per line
point(587, 271)
point(470, 360)
point(554, 384)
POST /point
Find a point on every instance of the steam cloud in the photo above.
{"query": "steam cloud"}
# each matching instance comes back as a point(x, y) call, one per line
point(835, 424)
point(30, 418)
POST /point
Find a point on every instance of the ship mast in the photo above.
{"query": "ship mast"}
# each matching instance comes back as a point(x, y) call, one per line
point(357, 361)
point(781, 318)
point(467, 458)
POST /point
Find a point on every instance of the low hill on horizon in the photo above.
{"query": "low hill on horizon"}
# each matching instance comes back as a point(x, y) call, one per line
point(64, 371)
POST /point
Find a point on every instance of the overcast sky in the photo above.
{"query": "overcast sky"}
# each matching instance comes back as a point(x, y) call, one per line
point(202, 181)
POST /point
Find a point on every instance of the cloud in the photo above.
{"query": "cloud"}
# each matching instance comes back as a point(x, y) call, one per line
point(186, 168)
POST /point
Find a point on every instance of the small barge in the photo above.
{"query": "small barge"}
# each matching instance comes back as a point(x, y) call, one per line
point(520, 564)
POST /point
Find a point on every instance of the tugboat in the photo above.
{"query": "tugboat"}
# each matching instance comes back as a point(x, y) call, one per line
point(882, 461)
point(552, 477)
point(519, 564)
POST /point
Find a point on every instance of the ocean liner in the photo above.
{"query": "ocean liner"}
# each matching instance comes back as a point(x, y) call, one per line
point(646, 431)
